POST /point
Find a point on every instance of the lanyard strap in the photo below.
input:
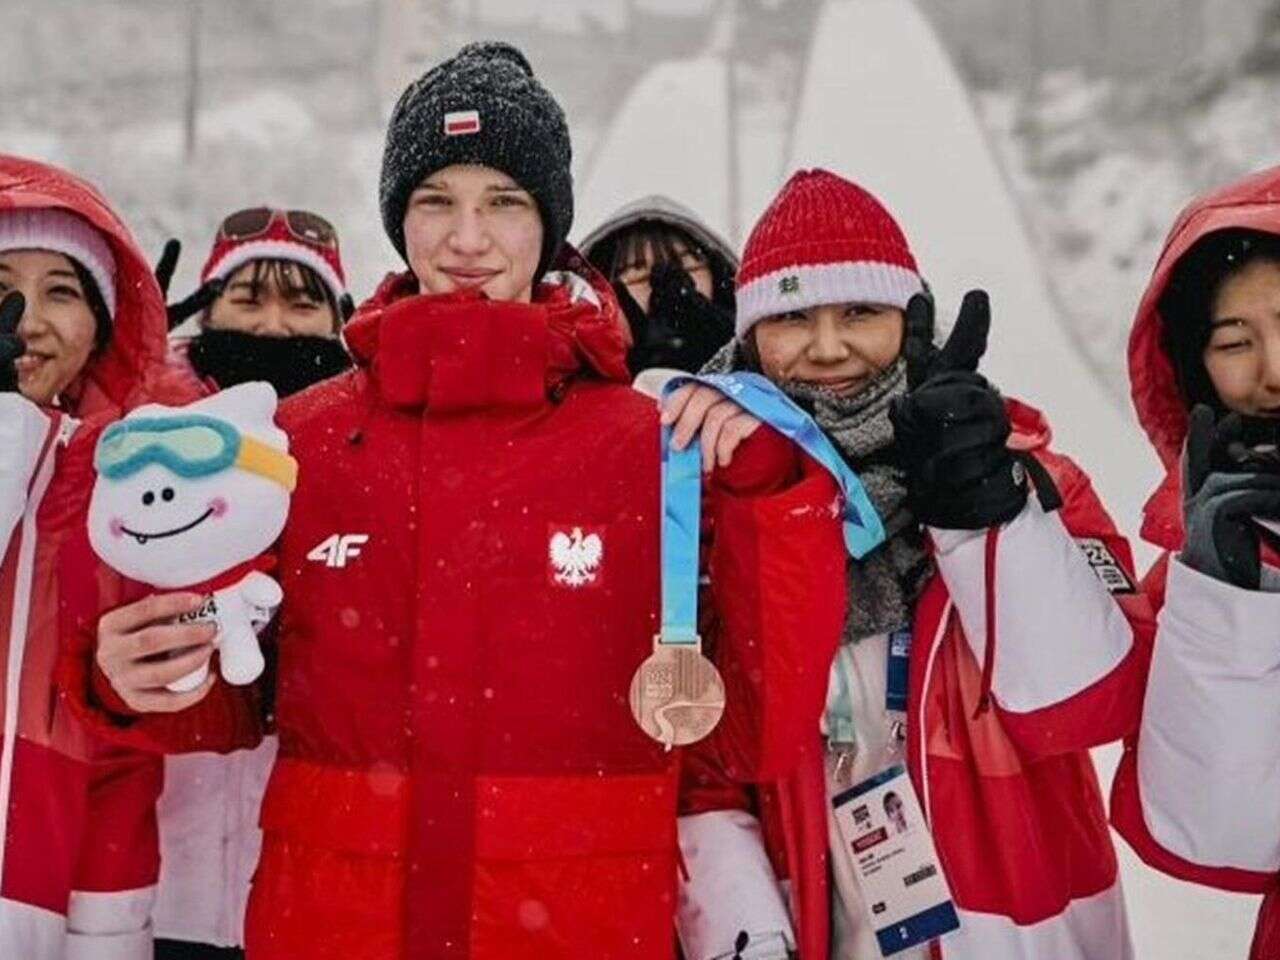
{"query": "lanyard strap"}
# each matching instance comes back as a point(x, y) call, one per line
point(682, 494)
point(681, 533)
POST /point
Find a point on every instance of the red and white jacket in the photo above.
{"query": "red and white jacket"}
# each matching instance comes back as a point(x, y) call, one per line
point(1029, 647)
point(78, 860)
point(1197, 792)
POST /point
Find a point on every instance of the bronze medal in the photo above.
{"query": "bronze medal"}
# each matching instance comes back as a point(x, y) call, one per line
point(677, 696)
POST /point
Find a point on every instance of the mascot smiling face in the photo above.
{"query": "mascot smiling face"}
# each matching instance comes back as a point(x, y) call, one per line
point(185, 494)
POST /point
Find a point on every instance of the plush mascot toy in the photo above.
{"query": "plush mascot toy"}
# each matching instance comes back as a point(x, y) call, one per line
point(190, 498)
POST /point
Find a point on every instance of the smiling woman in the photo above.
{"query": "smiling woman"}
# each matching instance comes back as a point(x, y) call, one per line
point(60, 266)
point(831, 308)
point(838, 347)
point(1204, 365)
point(1223, 334)
point(78, 856)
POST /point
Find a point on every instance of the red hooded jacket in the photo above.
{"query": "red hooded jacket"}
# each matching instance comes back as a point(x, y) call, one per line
point(76, 815)
point(1021, 660)
point(1194, 791)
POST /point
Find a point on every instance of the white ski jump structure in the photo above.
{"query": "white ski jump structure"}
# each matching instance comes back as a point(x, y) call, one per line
point(883, 105)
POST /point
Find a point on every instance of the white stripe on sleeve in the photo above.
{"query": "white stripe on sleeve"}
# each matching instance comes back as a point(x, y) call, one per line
point(1058, 628)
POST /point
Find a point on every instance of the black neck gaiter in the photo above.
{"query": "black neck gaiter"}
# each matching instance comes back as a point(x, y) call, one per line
point(289, 364)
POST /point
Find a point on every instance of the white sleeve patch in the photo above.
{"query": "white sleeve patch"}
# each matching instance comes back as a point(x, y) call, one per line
point(1104, 565)
point(1060, 629)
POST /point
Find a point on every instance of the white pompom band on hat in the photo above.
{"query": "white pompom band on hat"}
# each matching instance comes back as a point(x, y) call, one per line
point(61, 231)
point(823, 240)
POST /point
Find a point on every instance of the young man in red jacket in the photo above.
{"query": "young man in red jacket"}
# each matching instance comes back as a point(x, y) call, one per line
point(459, 772)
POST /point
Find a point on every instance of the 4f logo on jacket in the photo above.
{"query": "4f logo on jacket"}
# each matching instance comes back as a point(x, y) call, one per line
point(574, 557)
point(338, 548)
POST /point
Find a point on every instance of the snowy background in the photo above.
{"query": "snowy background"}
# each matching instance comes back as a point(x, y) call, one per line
point(1095, 120)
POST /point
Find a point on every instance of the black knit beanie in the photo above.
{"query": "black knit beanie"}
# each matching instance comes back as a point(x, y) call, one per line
point(1186, 304)
point(482, 106)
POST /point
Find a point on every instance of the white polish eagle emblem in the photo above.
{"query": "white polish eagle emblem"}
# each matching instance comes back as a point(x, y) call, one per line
point(575, 559)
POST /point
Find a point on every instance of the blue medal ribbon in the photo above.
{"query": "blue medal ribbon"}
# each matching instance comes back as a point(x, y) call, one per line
point(682, 493)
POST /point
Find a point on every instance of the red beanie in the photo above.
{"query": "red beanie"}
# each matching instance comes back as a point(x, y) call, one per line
point(277, 241)
point(823, 240)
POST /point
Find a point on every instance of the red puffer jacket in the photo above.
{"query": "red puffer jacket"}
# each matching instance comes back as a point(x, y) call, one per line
point(1197, 793)
point(78, 861)
point(459, 772)
point(1029, 647)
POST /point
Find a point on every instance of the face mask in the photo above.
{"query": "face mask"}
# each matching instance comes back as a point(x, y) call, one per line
point(289, 364)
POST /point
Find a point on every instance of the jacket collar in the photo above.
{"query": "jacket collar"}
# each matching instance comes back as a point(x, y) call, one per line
point(457, 352)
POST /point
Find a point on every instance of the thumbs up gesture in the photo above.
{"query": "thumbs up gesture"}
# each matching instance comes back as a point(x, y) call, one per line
point(951, 428)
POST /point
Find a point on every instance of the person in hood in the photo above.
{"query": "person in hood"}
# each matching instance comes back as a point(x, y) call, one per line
point(279, 303)
point(673, 276)
point(1204, 366)
point(82, 340)
point(471, 578)
point(271, 303)
point(1002, 582)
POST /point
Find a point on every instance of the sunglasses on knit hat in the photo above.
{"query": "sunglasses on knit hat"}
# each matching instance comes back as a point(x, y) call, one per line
point(303, 225)
point(272, 233)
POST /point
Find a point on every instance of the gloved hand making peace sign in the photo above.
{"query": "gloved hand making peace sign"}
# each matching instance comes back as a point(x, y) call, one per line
point(11, 345)
point(951, 427)
point(188, 306)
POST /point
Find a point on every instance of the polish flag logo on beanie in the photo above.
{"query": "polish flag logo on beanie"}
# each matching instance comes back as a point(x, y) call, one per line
point(461, 122)
point(823, 240)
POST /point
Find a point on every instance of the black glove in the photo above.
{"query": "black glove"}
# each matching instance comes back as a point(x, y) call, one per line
point(682, 329)
point(204, 295)
point(11, 345)
point(1226, 484)
point(951, 427)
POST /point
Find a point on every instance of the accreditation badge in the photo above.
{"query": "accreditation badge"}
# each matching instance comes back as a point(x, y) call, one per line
point(884, 835)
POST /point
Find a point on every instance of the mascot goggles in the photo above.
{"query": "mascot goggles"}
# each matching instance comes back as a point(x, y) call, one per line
point(189, 446)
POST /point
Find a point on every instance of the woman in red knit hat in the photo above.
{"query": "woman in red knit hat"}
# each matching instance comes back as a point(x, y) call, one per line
point(990, 641)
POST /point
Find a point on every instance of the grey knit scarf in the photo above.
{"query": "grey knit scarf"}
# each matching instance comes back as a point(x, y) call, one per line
point(883, 586)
